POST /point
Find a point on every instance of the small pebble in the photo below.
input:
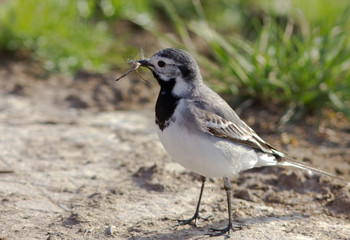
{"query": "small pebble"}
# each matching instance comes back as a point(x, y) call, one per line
point(111, 230)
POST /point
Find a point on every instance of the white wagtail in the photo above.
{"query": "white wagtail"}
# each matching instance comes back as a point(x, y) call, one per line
point(201, 131)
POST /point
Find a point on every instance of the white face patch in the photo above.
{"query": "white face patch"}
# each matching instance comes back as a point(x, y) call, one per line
point(181, 87)
point(167, 70)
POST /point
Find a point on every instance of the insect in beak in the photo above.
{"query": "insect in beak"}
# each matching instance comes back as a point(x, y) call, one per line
point(134, 65)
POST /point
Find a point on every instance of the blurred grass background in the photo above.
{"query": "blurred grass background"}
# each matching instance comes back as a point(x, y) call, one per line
point(293, 53)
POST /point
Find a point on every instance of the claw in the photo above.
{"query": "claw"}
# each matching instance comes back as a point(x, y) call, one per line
point(187, 221)
point(195, 218)
point(222, 231)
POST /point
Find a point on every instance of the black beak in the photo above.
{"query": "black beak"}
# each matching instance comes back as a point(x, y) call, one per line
point(145, 63)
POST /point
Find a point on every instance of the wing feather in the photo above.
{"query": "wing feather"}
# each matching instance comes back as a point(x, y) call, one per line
point(239, 133)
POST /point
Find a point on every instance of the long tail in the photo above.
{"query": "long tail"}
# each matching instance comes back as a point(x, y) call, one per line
point(290, 162)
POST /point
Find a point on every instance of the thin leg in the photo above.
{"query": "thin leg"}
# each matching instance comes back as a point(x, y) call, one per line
point(219, 232)
point(196, 214)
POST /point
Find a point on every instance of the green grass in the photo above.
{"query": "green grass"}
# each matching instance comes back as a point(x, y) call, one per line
point(291, 53)
point(59, 32)
point(305, 71)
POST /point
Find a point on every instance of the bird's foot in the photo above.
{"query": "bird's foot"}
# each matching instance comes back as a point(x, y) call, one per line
point(222, 231)
point(194, 218)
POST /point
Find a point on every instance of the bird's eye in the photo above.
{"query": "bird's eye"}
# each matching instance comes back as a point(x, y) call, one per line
point(161, 64)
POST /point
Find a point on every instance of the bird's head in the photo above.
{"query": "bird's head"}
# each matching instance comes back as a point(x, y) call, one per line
point(174, 69)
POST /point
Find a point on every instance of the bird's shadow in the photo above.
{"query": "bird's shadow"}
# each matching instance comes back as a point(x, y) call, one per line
point(180, 232)
point(143, 178)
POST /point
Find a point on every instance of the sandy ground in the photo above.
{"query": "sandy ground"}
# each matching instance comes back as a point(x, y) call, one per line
point(76, 162)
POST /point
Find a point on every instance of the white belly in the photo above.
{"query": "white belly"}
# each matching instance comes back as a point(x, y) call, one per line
point(210, 157)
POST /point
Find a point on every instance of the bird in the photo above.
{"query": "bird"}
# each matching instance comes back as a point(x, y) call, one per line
point(201, 132)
